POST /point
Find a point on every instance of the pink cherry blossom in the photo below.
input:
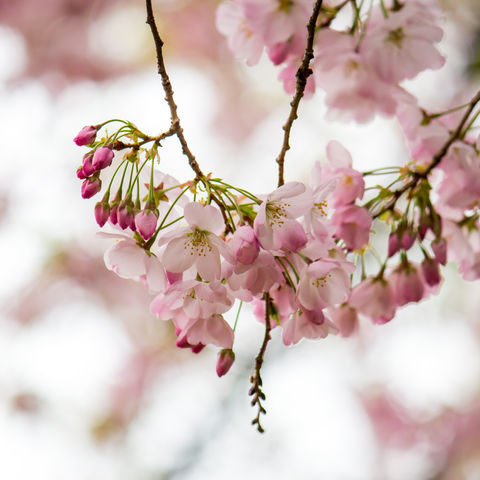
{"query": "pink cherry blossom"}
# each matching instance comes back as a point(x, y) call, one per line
point(278, 20)
point(245, 245)
point(258, 277)
point(407, 284)
point(323, 283)
point(197, 245)
point(353, 89)
point(306, 324)
point(213, 330)
point(345, 318)
point(375, 299)
point(129, 260)
point(275, 225)
point(402, 45)
point(353, 225)
point(243, 41)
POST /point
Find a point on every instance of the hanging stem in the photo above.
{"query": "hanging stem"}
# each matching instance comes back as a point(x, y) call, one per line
point(302, 75)
point(256, 391)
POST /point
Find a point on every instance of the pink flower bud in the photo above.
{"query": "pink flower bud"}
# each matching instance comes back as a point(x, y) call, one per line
point(346, 319)
point(102, 158)
point(407, 285)
point(439, 247)
point(90, 187)
point(408, 239)
point(431, 272)
point(225, 360)
point(114, 213)
point(393, 244)
point(88, 168)
point(86, 136)
point(102, 212)
point(425, 224)
point(245, 245)
point(146, 223)
point(80, 173)
point(125, 216)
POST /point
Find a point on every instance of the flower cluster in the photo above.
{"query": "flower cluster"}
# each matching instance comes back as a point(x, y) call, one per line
point(359, 68)
point(301, 255)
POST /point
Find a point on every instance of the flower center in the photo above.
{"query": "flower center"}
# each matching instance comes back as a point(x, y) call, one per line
point(396, 37)
point(197, 243)
point(321, 281)
point(285, 5)
point(276, 212)
point(321, 207)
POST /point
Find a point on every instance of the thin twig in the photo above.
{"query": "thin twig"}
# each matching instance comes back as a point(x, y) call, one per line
point(256, 379)
point(303, 72)
point(417, 176)
point(167, 88)
point(175, 120)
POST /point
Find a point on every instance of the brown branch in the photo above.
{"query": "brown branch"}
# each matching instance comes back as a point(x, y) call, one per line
point(438, 157)
point(175, 120)
point(256, 380)
point(167, 88)
point(303, 72)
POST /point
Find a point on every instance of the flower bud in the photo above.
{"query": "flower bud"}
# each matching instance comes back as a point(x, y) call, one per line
point(80, 173)
point(146, 223)
point(431, 272)
point(245, 245)
point(102, 158)
point(439, 247)
point(102, 211)
point(86, 136)
point(125, 216)
point(408, 239)
point(88, 168)
point(225, 359)
point(393, 244)
point(91, 186)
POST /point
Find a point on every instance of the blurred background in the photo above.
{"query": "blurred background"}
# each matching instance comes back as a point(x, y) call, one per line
point(91, 384)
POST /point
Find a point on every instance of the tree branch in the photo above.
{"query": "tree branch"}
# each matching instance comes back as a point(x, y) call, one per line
point(438, 157)
point(256, 379)
point(303, 72)
point(167, 88)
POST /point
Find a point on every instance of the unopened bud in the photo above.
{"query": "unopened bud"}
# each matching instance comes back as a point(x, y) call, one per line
point(86, 136)
point(90, 187)
point(431, 272)
point(393, 244)
point(125, 215)
point(80, 173)
point(88, 168)
point(146, 223)
point(102, 211)
point(225, 359)
point(439, 247)
point(102, 158)
point(408, 239)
